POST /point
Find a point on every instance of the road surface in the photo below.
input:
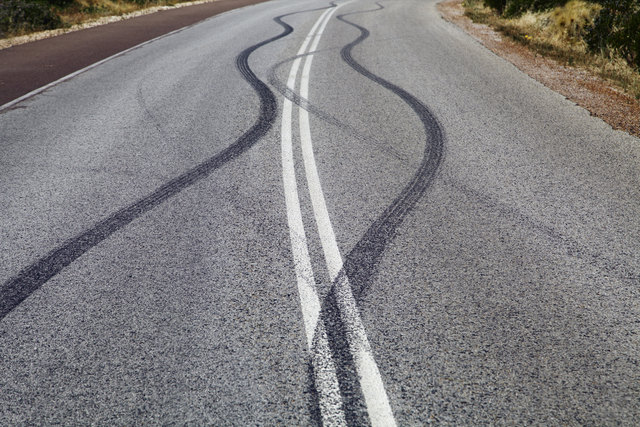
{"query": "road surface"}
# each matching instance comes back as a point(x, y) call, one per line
point(306, 213)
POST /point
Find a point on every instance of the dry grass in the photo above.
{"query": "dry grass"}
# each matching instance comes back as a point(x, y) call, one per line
point(558, 34)
point(86, 10)
point(561, 26)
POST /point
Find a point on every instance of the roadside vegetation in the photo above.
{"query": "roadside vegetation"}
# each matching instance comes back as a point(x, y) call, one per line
point(601, 35)
point(19, 17)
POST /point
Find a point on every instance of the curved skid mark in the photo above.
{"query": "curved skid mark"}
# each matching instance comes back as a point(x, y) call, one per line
point(361, 263)
point(31, 278)
point(326, 393)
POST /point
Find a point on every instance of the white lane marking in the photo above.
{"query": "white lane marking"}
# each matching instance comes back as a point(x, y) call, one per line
point(309, 301)
point(302, 260)
point(326, 381)
point(376, 399)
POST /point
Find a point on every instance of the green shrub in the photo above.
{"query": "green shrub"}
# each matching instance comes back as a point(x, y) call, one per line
point(498, 5)
point(59, 3)
point(617, 29)
point(518, 7)
point(26, 15)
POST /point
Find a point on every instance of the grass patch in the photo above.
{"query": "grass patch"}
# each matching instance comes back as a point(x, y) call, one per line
point(560, 33)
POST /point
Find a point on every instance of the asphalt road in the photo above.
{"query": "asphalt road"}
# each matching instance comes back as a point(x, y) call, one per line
point(222, 228)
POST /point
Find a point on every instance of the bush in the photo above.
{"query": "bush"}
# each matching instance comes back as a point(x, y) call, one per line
point(58, 3)
point(498, 5)
point(26, 15)
point(617, 29)
point(518, 7)
point(572, 20)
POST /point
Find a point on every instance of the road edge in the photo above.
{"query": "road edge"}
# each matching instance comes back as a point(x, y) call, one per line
point(600, 98)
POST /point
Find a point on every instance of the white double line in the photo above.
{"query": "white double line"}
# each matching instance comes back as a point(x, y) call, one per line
point(331, 405)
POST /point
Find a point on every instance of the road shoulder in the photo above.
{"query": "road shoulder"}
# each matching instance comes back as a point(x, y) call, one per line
point(591, 92)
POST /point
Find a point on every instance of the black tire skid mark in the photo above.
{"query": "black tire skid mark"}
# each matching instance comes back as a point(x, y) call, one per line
point(31, 278)
point(362, 261)
point(355, 410)
point(351, 396)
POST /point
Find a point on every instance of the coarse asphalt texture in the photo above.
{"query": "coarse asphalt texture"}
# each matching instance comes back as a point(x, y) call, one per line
point(490, 230)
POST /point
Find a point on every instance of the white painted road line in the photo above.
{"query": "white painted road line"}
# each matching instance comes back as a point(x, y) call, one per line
point(371, 383)
point(375, 396)
point(326, 381)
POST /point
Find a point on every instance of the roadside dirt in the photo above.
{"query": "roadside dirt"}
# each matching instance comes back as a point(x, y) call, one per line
point(591, 92)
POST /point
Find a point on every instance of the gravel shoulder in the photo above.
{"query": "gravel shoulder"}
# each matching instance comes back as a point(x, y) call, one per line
point(591, 92)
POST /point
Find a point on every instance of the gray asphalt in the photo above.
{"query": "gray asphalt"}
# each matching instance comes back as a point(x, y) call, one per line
point(507, 291)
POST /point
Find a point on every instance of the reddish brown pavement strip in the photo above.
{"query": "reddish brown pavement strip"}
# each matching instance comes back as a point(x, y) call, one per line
point(29, 66)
